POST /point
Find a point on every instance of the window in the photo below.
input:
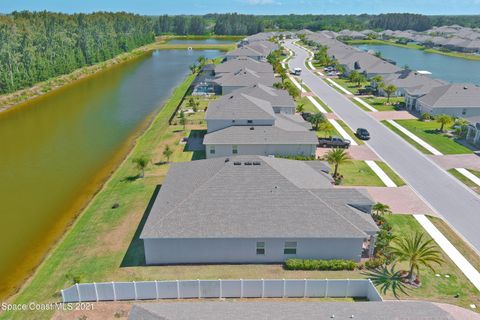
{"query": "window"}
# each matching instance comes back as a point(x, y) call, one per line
point(261, 247)
point(464, 111)
point(212, 150)
point(234, 149)
point(249, 121)
point(290, 247)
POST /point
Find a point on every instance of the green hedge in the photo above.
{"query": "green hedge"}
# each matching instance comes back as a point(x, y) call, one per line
point(331, 265)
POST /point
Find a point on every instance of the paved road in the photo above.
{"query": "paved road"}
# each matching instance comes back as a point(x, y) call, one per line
point(449, 197)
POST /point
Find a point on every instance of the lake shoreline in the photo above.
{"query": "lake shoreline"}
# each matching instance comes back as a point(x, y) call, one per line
point(17, 99)
point(453, 54)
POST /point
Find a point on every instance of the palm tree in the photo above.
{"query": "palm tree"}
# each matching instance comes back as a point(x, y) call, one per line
point(326, 126)
point(387, 279)
point(201, 61)
point(167, 152)
point(389, 90)
point(193, 68)
point(300, 107)
point(141, 163)
point(461, 126)
point(315, 119)
point(336, 157)
point(378, 81)
point(417, 251)
point(443, 119)
point(381, 209)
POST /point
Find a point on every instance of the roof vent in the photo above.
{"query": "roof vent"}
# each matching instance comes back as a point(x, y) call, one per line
point(231, 97)
point(247, 163)
point(252, 128)
point(465, 88)
point(227, 160)
point(237, 163)
point(256, 163)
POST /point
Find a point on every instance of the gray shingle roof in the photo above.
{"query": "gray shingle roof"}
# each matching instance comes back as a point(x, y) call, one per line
point(245, 52)
point(275, 199)
point(239, 106)
point(412, 81)
point(240, 63)
point(453, 95)
point(277, 97)
point(245, 77)
point(288, 310)
point(261, 135)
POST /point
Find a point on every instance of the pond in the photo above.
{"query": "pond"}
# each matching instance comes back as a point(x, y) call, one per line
point(57, 149)
point(451, 69)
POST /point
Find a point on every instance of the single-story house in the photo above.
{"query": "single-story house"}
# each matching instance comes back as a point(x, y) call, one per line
point(254, 209)
point(280, 100)
point(245, 122)
point(457, 100)
point(228, 82)
point(245, 51)
point(240, 63)
point(408, 79)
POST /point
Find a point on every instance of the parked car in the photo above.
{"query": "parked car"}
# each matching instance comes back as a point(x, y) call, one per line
point(362, 134)
point(333, 142)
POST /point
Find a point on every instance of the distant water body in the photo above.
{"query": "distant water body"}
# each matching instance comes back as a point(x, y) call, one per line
point(451, 69)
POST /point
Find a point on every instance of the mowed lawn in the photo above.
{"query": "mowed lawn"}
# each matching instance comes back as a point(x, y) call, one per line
point(350, 86)
point(437, 288)
point(429, 132)
point(384, 104)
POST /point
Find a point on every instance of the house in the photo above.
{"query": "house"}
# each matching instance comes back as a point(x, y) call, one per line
point(457, 100)
point(257, 121)
point(245, 51)
point(473, 131)
point(255, 209)
point(408, 81)
point(234, 65)
point(287, 310)
point(228, 82)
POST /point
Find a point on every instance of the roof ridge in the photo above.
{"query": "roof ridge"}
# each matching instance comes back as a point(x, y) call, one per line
point(333, 209)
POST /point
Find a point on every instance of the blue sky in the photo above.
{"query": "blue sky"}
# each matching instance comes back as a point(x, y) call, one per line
point(248, 6)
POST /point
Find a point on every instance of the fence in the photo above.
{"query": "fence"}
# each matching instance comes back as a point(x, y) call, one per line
point(184, 289)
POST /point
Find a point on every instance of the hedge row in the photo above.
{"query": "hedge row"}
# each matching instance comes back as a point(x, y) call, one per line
point(331, 265)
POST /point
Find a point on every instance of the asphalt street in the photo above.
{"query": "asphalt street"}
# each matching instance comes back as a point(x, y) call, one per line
point(445, 194)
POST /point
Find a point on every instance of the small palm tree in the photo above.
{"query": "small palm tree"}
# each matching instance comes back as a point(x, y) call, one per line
point(381, 209)
point(443, 119)
point(326, 126)
point(387, 279)
point(167, 152)
point(337, 157)
point(141, 163)
point(417, 251)
point(316, 119)
point(300, 107)
point(389, 90)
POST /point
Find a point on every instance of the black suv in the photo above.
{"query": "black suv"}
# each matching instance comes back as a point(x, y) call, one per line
point(362, 134)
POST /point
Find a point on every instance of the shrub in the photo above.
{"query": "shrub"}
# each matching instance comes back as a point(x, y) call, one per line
point(426, 116)
point(375, 263)
point(328, 265)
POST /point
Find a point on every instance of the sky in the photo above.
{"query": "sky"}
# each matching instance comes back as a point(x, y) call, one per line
point(156, 7)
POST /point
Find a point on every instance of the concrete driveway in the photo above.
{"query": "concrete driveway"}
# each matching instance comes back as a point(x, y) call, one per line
point(448, 196)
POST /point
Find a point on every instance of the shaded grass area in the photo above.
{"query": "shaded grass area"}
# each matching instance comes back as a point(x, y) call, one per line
point(469, 183)
point(381, 104)
point(433, 288)
point(391, 174)
point(358, 173)
point(405, 137)
point(428, 131)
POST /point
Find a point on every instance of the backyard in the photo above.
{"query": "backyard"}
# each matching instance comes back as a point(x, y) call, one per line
point(429, 132)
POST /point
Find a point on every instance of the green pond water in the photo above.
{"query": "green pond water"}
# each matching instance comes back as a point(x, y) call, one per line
point(55, 150)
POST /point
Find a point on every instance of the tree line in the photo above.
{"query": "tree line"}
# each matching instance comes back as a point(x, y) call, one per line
point(35, 47)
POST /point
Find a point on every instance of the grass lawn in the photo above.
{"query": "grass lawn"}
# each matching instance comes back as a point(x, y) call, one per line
point(308, 105)
point(428, 131)
point(433, 288)
point(380, 103)
point(361, 106)
point(406, 138)
point(193, 117)
point(358, 173)
point(390, 173)
point(350, 86)
point(465, 180)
